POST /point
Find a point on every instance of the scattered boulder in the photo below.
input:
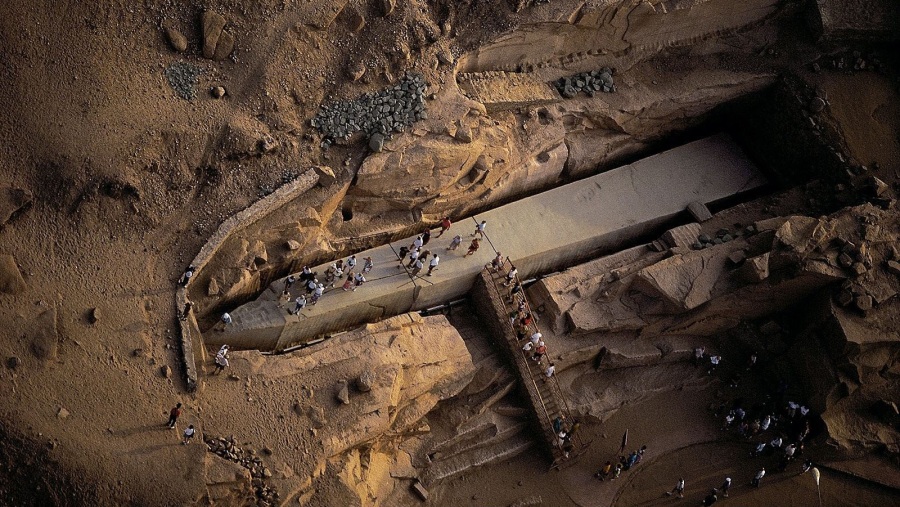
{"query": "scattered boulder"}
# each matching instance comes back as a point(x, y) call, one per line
point(12, 200)
point(62, 413)
point(356, 70)
point(165, 371)
point(864, 302)
point(224, 47)
point(45, 336)
point(365, 381)
point(218, 92)
point(217, 44)
point(292, 245)
point(463, 134)
point(343, 392)
point(176, 39)
point(376, 143)
point(93, 315)
point(11, 281)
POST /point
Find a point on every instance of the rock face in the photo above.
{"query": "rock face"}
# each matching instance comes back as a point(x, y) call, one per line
point(410, 364)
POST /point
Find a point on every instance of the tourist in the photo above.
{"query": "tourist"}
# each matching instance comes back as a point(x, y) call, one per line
point(511, 275)
point(368, 265)
point(417, 266)
point(752, 361)
point(402, 255)
point(317, 293)
point(417, 243)
point(426, 236)
point(758, 477)
point(729, 420)
point(311, 285)
point(173, 416)
point(604, 472)
point(536, 337)
point(725, 486)
point(358, 280)
point(413, 257)
point(223, 350)
point(435, 260)
point(348, 283)
point(226, 320)
point(550, 371)
point(472, 247)
point(331, 274)
point(288, 282)
point(521, 331)
point(445, 226)
point(187, 310)
point(188, 435)
point(789, 451)
point(632, 459)
point(516, 289)
point(497, 263)
point(710, 499)
point(528, 347)
point(766, 422)
point(539, 351)
point(617, 470)
point(776, 442)
point(713, 364)
point(306, 274)
point(221, 362)
point(558, 423)
point(679, 489)
point(299, 304)
point(698, 355)
point(351, 263)
point(807, 465)
point(758, 450)
point(479, 229)
point(454, 244)
point(186, 277)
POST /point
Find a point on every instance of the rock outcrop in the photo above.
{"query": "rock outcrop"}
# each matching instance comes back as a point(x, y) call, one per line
point(410, 363)
point(640, 307)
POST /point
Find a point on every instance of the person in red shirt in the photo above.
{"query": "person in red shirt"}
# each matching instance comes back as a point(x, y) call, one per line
point(173, 416)
point(445, 226)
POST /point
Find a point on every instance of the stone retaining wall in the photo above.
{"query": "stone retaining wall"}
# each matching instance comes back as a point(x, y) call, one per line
point(191, 337)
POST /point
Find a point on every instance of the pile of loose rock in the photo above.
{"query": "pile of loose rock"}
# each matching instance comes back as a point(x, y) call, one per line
point(183, 78)
point(723, 235)
point(226, 448)
point(587, 82)
point(376, 114)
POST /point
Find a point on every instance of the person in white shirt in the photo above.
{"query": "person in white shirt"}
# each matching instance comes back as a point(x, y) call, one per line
point(550, 370)
point(435, 260)
point(758, 477)
point(678, 489)
point(479, 229)
point(536, 337)
point(188, 435)
point(300, 304)
point(513, 272)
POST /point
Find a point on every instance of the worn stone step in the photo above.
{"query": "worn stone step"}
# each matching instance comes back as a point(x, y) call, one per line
point(466, 461)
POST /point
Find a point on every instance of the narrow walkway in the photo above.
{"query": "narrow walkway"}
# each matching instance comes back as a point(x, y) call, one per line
point(498, 308)
point(541, 233)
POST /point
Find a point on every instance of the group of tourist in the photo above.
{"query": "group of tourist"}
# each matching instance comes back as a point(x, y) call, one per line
point(613, 471)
